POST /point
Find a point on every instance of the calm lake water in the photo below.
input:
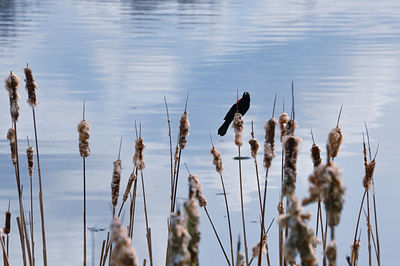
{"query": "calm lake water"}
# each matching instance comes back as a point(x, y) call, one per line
point(122, 57)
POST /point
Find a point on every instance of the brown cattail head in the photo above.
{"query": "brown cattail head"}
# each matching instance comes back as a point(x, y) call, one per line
point(196, 190)
point(31, 86)
point(116, 179)
point(132, 179)
point(12, 84)
point(262, 244)
point(269, 146)
point(238, 126)
point(138, 158)
point(254, 147)
point(331, 252)
point(316, 155)
point(192, 225)
point(31, 158)
point(291, 146)
point(217, 161)
point(178, 241)
point(301, 238)
point(369, 175)
point(7, 227)
point(84, 135)
point(283, 119)
point(13, 145)
point(184, 130)
point(334, 141)
point(290, 127)
point(122, 252)
point(280, 208)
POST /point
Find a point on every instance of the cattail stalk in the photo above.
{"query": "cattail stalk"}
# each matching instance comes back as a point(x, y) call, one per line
point(31, 87)
point(5, 254)
point(31, 158)
point(238, 127)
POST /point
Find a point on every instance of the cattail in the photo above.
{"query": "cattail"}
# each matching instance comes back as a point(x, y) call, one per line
point(196, 190)
point(326, 181)
point(13, 144)
point(334, 141)
point(254, 147)
point(84, 135)
point(269, 146)
point(123, 254)
point(31, 158)
point(301, 238)
point(316, 155)
point(31, 87)
point(263, 244)
point(138, 158)
point(115, 182)
point(369, 173)
point(178, 242)
point(291, 146)
point(290, 127)
point(192, 225)
point(184, 130)
point(7, 226)
point(176, 155)
point(283, 119)
point(280, 208)
point(217, 161)
point(331, 253)
point(132, 179)
point(238, 126)
point(12, 84)
point(355, 247)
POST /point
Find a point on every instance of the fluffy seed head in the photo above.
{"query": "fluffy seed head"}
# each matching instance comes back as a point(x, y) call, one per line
point(132, 179)
point(291, 146)
point(116, 179)
point(369, 174)
point(178, 241)
point(31, 158)
point(138, 158)
point(184, 130)
point(331, 253)
point(123, 254)
point(84, 135)
point(269, 146)
point(12, 84)
point(263, 244)
point(196, 190)
point(290, 127)
point(217, 161)
point(283, 119)
point(334, 141)
point(13, 145)
point(238, 127)
point(192, 225)
point(254, 147)
point(31, 87)
point(316, 155)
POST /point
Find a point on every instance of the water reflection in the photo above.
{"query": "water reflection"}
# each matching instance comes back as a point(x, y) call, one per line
point(122, 57)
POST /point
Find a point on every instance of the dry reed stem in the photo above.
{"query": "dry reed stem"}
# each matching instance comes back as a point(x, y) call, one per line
point(21, 237)
point(5, 255)
point(356, 231)
point(148, 234)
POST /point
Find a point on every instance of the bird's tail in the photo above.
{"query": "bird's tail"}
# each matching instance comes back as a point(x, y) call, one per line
point(222, 130)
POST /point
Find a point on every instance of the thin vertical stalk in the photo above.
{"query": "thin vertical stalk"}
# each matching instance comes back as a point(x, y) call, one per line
point(378, 256)
point(216, 234)
point(84, 210)
point(281, 259)
point(21, 237)
point(369, 231)
point(242, 207)
point(176, 181)
point(147, 222)
point(6, 261)
point(40, 191)
point(357, 224)
point(263, 216)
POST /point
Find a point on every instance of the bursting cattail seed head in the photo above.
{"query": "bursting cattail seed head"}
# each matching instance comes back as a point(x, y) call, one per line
point(7, 227)
point(331, 253)
point(254, 145)
point(138, 158)
point(238, 126)
point(31, 158)
point(12, 84)
point(263, 244)
point(13, 145)
point(184, 130)
point(283, 120)
point(84, 135)
point(196, 190)
point(178, 238)
point(290, 127)
point(316, 155)
point(116, 179)
point(291, 146)
point(369, 174)
point(123, 254)
point(193, 227)
point(31, 87)
point(217, 161)
point(132, 179)
point(334, 141)
point(269, 146)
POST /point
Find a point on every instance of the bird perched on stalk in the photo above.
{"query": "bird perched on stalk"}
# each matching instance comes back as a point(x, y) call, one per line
point(241, 106)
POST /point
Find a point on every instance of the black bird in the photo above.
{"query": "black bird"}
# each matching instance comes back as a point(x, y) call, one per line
point(241, 106)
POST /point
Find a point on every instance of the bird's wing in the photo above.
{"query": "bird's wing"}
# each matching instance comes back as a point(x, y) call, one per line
point(231, 113)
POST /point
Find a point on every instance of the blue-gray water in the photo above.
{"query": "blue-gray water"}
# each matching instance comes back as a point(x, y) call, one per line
point(122, 57)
